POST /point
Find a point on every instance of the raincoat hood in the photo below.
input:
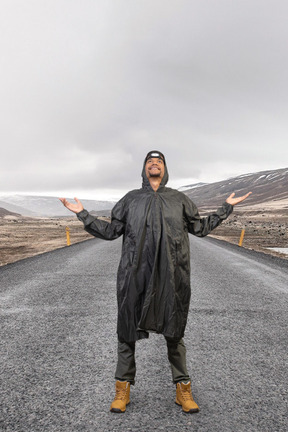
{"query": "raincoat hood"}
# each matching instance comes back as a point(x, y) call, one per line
point(145, 180)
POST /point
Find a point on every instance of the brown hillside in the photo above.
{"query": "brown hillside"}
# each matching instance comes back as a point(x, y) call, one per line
point(4, 212)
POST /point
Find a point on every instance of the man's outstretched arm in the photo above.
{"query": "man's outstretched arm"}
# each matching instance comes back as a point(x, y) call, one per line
point(203, 226)
point(94, 226)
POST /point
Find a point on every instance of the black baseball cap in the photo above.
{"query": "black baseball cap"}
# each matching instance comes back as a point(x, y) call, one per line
point(155, 154)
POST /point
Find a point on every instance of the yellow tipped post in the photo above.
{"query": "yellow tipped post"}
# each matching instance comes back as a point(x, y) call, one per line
point(241, 237)
point(68, 236)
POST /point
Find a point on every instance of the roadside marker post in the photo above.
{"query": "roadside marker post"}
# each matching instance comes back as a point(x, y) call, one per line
point(68, 236)
point(241, 237)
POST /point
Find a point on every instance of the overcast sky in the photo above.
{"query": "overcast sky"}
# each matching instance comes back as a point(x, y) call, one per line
point(88, 87)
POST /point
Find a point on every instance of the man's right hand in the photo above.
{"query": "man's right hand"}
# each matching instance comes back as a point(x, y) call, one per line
point(75, 208)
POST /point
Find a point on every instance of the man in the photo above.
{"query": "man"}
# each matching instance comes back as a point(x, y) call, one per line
point(153, 279)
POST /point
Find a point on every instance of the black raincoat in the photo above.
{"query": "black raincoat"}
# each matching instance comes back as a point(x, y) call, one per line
point(153, 280)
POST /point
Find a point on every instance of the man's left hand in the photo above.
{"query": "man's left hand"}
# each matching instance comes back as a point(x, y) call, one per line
point(233, 201)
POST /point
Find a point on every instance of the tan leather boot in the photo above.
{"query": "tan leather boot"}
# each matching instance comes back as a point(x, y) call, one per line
point(185, 399)
point(122, 397)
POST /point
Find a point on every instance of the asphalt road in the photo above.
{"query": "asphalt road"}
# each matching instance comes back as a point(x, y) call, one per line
point(58, 345)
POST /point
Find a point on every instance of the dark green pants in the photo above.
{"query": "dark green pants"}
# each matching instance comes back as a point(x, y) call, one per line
point(126, 366)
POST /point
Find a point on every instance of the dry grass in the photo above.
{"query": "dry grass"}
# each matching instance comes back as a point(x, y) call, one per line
point(263, 229)
point(24, 237)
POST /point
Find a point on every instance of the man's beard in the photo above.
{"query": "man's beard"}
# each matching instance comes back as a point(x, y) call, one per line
point(154, 175)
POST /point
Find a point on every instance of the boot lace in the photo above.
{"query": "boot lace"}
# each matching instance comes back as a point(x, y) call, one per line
point(120, 394)
point(186, 394)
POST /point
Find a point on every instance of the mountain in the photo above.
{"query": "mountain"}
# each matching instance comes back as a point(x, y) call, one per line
point(4, 212)
point(193, 186)
point(47, 206)
point(266, 186)
point(15, 208)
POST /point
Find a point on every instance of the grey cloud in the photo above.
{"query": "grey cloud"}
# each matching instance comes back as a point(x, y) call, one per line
point(89, 89)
